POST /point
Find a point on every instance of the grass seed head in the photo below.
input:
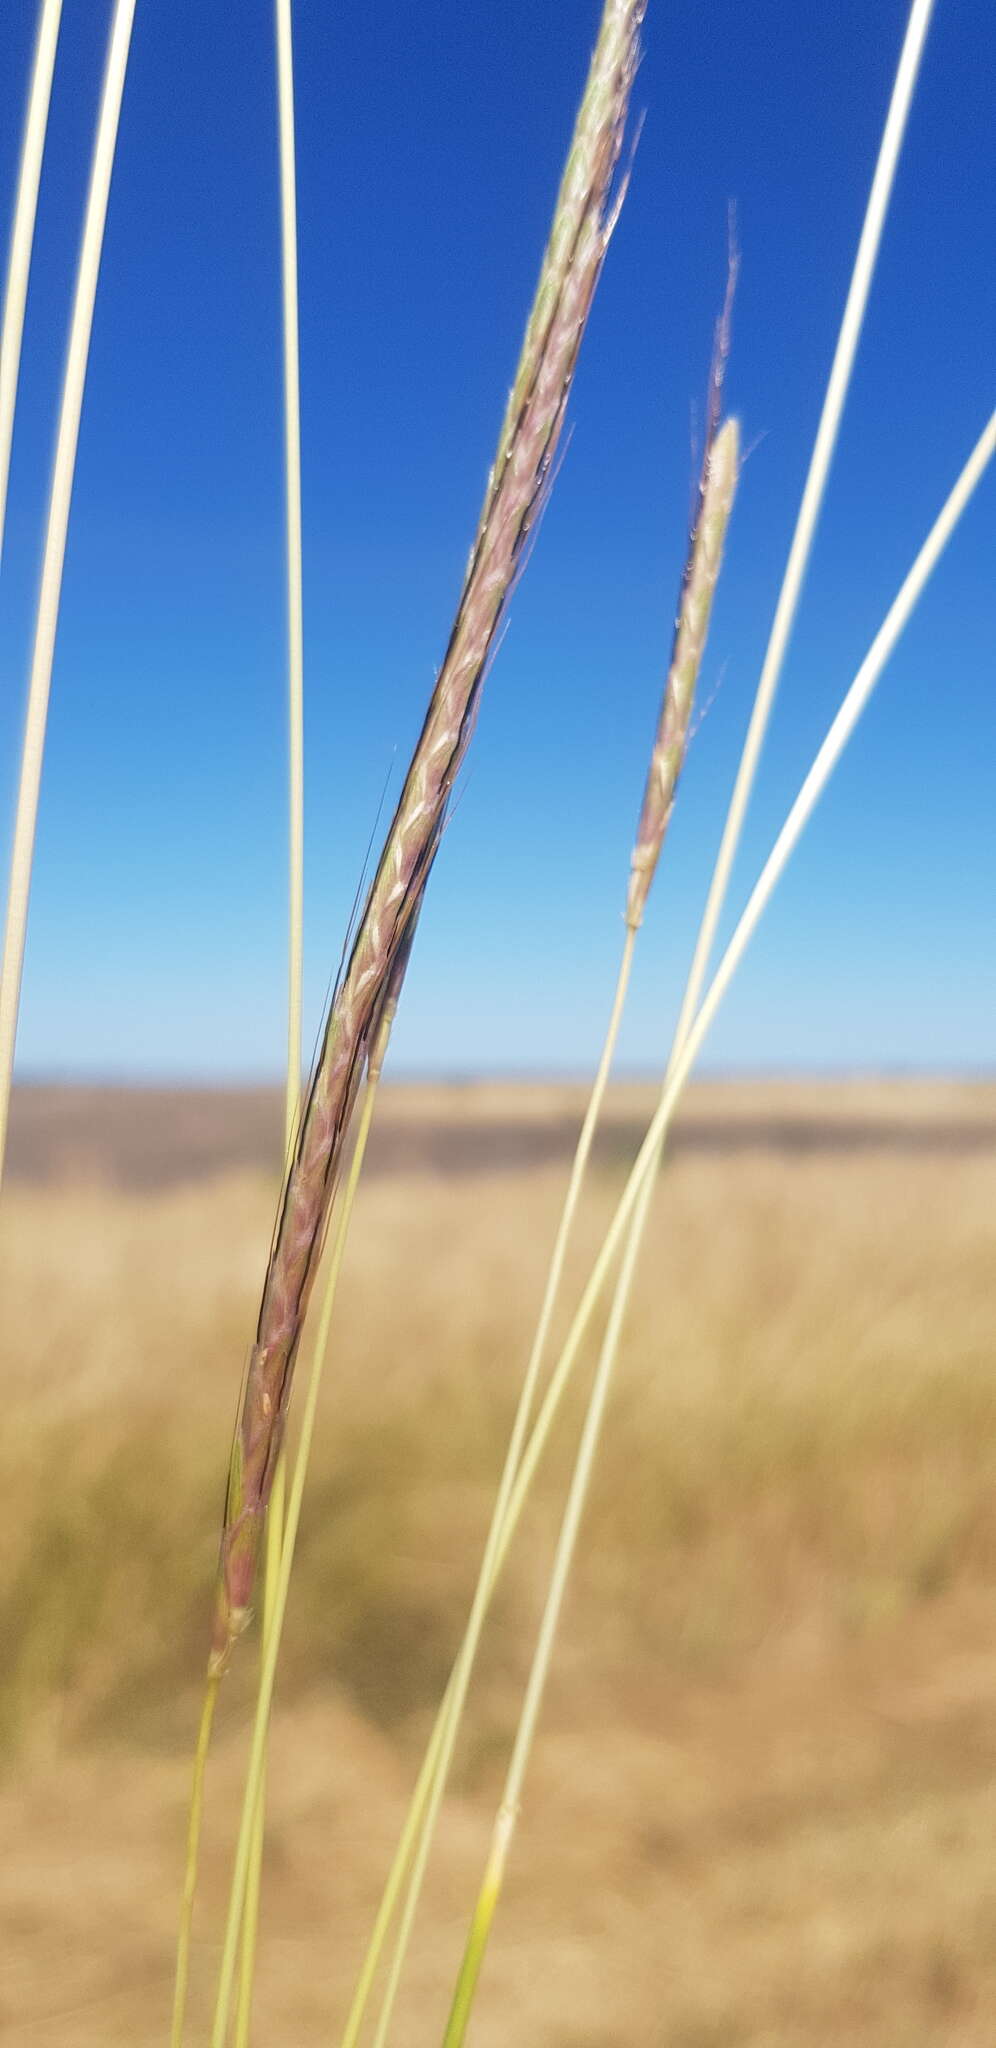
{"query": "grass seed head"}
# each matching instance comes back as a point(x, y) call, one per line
point(716, 490)
point(526, 449)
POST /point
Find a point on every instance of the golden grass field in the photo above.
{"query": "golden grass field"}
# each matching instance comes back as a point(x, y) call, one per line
point(763, 1804)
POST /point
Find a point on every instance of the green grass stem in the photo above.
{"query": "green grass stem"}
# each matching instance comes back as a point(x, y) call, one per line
point(189, 1894)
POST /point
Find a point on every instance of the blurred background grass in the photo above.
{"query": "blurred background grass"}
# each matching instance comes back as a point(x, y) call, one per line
point(763, 1798)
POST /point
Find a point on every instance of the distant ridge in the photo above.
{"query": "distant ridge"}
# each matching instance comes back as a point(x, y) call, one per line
point(154, 1137)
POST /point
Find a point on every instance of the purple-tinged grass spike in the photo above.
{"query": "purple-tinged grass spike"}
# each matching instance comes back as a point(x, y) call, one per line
point(526, 450)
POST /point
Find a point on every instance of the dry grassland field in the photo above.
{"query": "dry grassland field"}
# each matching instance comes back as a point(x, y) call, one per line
point(762, 1808)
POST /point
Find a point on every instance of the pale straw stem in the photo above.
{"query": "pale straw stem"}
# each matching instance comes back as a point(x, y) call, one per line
point(812, 497)
point(295, 734)
point(295, 575)
point(55, 552)
point(22, 235)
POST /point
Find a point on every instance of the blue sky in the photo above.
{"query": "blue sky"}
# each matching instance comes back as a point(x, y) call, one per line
point(430, 141)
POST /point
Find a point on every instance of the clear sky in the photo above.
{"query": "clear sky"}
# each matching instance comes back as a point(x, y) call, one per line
point(430, 140)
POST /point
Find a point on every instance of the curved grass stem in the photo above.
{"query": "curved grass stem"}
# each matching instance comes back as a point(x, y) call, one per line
point(295, 922)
